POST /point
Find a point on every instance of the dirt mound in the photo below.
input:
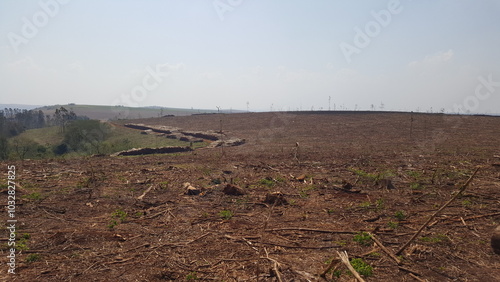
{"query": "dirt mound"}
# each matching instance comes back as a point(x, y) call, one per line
point(149, 151)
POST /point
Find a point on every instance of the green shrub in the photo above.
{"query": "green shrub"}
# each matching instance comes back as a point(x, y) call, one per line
point(35, 196)
point(362, 267)
point(120, 214)
point(267, 182)
point(393, 225)
point(362, 238)
point(400, 215)
point(60, 149)
point(226, 214)
point(33, 258)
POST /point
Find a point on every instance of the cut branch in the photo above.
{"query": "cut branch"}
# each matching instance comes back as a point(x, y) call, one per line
point(145, 192)
point(345, 260)
point(332, 266)
point(462, 189)
point(276, 266)
point(312, 230)
point(387, 251)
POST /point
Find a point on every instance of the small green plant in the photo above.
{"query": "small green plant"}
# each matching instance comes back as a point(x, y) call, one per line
point(365, 205)
point(362, 238)
point(192, 276)
point(226, 214)
point(414, 174)
point(120, 214)
point(380, 204)
point(303, 194)
point(163, 185)
point(435, 239)
point(22, 243)
point(112, 224)
point(466, 203)
point(117, 217)
point(206, 171)
point(393, 225)
point(366, 175)
point(267, 182)
point(362, 267)
point(400, 215)
point(340, 242)
point(35, 196)
point(416, 186)
point(309, 187)
point(280, 179)
point(330, 211)
point(33, 258)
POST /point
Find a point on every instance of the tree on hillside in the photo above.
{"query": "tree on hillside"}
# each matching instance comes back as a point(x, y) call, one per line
point(86, 135)
point(62, 117)
point(15, 121)
point(4, 148)
point(24, 147)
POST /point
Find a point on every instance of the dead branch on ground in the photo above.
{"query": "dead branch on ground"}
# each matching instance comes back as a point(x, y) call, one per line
point(462, 189)
point(345, 260)
point(145, 192)
point(387, 251)
point(276, 266)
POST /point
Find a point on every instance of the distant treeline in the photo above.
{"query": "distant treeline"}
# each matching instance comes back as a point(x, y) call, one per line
point(14, 121)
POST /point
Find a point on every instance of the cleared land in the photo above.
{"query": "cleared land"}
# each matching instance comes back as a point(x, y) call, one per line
point(128, 218)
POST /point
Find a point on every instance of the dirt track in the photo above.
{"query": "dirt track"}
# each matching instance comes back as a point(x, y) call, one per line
point(77, 223)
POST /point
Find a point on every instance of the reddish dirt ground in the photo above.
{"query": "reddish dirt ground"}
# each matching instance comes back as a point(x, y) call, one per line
point(84, 220)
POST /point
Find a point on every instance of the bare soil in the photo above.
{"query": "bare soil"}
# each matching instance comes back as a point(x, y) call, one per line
point(130, 219)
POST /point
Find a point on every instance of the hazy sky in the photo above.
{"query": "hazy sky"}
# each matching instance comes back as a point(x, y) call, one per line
point(280, 55)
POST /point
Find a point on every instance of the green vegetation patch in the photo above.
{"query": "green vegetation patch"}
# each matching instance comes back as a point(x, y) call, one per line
point(226, 214)
point(363, 238)
point(362, 267)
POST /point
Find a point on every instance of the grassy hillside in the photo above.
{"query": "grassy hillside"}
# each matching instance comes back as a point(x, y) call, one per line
point(42, 141)
point(43, 136)
point(119, 112)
